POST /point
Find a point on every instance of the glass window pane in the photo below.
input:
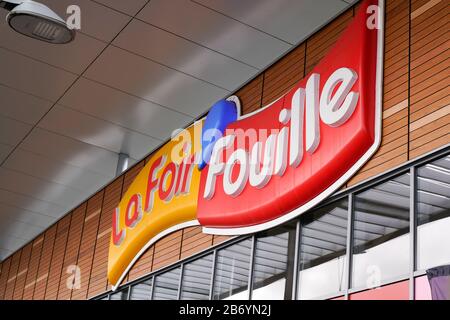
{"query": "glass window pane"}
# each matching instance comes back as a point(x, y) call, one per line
point(119, 295)
point(166, 285)
point(381, 233)
point(433, 214)
point(196, 283)
point(323, 243)
point(232, 271)
point(273, 256)
point(142, 291)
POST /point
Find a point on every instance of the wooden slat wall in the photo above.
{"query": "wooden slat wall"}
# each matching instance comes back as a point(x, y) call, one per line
point(87, 246)
point(12, 274)
point(416, 120)
point(22, 271)
point(4, 276)
point(33, 268)
point(44, 263)
point(71, 251)
point(59, 251)
point(394, 144)
point(98, 279)
point(429, 73)
point(194, 241)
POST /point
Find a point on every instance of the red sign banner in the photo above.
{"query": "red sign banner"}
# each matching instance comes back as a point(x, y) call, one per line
point(276, 163)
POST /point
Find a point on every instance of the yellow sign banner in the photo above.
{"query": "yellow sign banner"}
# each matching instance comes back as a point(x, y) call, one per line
point(161, 200)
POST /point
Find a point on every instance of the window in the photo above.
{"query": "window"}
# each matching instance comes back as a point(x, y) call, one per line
point(166, 285)
point(142, 291)
point(433, 214)
point(232, 271)
point(119, 295)
point(274, 256)
point(323, 245)
point(196, 283)
point(381, 233)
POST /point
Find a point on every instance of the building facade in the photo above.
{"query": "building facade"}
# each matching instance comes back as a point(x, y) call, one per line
point(373, 239)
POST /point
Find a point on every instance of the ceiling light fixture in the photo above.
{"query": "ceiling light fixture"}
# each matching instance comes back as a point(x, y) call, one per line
point(37, 21)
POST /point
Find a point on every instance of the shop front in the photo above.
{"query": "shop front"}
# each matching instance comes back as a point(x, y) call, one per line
point(325, 177)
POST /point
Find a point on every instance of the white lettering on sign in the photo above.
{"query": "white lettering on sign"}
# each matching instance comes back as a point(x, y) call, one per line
point(333, 106)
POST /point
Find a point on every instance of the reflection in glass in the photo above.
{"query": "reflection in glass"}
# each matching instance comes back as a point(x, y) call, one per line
point(323, 243)
point(433, 214)
point(142, 290)
point(381, 233)
point(166, 285)
point(196, 281)
point(119, 295)
point(271, 263)
point(232, 271)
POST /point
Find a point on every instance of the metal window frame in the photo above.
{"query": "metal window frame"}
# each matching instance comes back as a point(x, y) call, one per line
point(412, 230)
point(213, 274)
point(410, 166)
point(251, 269)
point(349, 244)
point(296, 260)
point(180, 281)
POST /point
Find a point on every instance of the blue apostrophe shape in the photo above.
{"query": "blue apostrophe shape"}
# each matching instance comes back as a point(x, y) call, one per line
point(221, 114)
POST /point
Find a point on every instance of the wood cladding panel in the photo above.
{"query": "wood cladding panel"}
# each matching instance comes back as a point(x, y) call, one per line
point(12, 274)
point(394, 143)
point(56, 265)
point(22, 271)
point(68, 272)
point(142, 266)
point(87, 244)
point(320, 43)
point(430, 107)
point(283, 75)
point(250, 95)
point(44, 263)
point(98, 277)
point(194, 241)
point(4, 276)
point(167, 250)
point(33, 266)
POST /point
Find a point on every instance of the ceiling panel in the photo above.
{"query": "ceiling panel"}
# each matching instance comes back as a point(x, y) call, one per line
point(154, 82)
point(30, 203)
point(4, 151)
point(130, 7)
point(72, 151)
point(11, 243)
point(290, 20)
point(43, 167)
point(25, 216)
point(34, 77)
point(22, 106)
point(214, 30)
point(123, 109)
point(18, 228)
point(38, 188)
point(98, 132)
point(12, 131)
point(3, 252)
point(183, 55)
point(73, 57)
point(97, 20)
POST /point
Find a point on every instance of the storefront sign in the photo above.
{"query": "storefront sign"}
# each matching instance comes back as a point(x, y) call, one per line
point(257, 171)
